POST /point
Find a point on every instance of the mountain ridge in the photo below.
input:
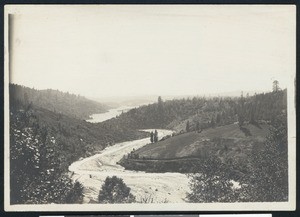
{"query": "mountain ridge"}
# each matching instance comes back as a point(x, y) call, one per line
point(57, 101)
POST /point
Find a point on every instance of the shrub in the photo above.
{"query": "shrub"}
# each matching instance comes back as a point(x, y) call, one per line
point(114, 190)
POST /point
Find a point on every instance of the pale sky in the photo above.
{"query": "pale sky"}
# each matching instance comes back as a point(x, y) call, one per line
point(101, 51)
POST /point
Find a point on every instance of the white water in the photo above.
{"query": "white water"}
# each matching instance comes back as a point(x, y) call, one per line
point(161, 187)
point(96, 118)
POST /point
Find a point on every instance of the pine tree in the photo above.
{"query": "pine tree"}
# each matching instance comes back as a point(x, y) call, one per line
point(218, 118)
point(212, 122)
point(187, 127)
point(197, 126)
point(155, 136)
point(241, 111)
point(160, 109)
point(152, 137)
point(276, 86)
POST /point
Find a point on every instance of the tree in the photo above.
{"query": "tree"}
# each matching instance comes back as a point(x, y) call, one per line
point(35, 165)
point(218, 118)
point(159, 101)
point(23, 164)
point(212, 122)
point(26, 100)
point(241, 120)
point(75, 194)
point(269, 168)
point(155, 136)
point(197, 126)
point(276, 86)
point(187, 127)
point(160, 110)
point(241, 111)
point(210, 183)
point(253, 112)
point(152, 137)
point(114, 190)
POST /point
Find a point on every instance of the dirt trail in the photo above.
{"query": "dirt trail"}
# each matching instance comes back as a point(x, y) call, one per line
point(152, 187)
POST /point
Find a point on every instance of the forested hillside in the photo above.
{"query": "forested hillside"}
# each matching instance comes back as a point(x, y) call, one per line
point(203, 112)
point(234, 149)
point(44, 143)
point(56, 101)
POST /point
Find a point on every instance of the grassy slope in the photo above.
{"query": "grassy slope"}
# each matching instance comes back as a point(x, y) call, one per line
point(179, 153)
point(189, 144)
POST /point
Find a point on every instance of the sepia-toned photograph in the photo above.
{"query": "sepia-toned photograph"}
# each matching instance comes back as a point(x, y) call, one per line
point(150, 107)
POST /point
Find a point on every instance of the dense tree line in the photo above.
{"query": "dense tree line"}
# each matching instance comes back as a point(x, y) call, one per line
point(56, 101)
point(203, 112)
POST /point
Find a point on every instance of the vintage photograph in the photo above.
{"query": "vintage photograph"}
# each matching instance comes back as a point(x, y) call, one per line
point(150, 107)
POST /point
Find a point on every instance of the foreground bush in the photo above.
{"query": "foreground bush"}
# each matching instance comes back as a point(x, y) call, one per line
point(114, 190)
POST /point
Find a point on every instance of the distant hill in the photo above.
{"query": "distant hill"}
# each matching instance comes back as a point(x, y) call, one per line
point(205, 112)
point(139, 100)
point(132, 101)
point(56, 101)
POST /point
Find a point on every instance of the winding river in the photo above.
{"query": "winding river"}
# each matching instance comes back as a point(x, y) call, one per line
point(111, 113)
point(147, 187)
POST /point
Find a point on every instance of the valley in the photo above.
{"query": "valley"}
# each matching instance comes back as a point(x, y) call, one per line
point(202, 145)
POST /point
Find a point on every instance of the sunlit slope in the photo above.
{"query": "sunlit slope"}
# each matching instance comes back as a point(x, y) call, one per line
point(229, 138)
